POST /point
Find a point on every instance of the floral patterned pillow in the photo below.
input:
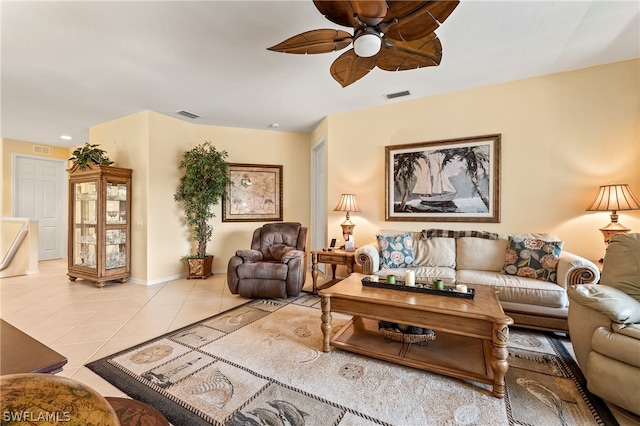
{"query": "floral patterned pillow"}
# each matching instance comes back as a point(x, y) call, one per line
point(532, 258)
point(395, 251)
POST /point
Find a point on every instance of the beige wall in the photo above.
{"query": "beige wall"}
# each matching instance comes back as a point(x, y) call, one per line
point(167, 239)
point(563, 135)
point(152, 144)
point(291, 150)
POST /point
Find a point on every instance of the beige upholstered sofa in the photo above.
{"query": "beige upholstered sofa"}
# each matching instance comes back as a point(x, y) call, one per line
point(530, 272)
point(604, 321)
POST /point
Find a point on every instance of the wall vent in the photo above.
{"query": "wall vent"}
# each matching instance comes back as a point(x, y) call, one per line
point(188, 114)
point(44, 150)
point(397, 94)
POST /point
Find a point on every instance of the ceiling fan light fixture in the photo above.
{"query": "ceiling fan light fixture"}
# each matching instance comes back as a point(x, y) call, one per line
point(388, 35)
point(368, 43)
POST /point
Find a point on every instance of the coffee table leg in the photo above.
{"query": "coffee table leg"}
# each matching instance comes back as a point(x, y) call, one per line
point(326, 323)
point(499, 354)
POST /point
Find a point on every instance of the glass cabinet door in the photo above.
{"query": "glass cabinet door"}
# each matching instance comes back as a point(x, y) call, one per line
point(116, 248)
point(116, 235)
point(85, 210)
point(116, 203)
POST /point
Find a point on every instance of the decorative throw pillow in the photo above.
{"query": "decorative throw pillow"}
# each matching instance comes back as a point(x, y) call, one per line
point(435, 252)
point(532, 258)
point(448, 233)
point(395, 251)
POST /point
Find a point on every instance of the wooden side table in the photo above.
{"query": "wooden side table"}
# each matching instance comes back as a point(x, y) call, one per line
point(334, 258)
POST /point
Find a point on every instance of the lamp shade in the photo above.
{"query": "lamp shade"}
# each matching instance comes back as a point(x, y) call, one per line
point(614, 197)
point(347, 204)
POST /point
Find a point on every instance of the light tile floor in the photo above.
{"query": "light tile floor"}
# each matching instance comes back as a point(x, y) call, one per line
point(86, 323)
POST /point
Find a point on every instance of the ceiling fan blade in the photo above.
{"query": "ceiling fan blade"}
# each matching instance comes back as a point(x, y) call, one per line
point(400, 8)
point(408, 55)
point(353, 13)
point(314, 41)
point(370, 12)
point(349, 67)
point(403, 23)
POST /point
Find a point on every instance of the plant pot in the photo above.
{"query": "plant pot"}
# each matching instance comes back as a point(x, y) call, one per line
point(200, 267)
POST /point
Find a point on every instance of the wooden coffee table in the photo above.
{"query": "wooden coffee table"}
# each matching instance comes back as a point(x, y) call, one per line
point(471, 335)
point(21, 353)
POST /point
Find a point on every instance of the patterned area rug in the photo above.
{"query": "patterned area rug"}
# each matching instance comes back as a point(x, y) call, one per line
point(261, 364)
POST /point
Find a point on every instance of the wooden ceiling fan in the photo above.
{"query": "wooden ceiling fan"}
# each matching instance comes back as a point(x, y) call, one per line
point(391, 35)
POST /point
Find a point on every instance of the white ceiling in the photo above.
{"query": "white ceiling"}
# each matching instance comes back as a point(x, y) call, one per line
point(67, 66)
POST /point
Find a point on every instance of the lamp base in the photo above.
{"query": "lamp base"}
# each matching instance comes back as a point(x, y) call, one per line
point(347, 229)
point(612, 229)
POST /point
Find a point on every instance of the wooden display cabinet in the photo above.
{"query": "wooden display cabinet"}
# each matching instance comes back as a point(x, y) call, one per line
point(99, 223)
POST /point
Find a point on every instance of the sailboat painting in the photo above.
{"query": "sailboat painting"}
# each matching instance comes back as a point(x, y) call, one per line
point(432, 184)
point(450, 180)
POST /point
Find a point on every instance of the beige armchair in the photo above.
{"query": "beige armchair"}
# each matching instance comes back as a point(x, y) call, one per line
point(604, 324)
point(275, 266)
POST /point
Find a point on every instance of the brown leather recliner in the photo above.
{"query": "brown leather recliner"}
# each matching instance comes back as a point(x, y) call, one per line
point(275, 266)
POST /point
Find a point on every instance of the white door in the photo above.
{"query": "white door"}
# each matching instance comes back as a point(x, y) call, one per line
point(39, 193)
point(319, 197)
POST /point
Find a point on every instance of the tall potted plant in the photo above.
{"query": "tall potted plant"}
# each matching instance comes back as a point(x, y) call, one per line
point(201, 187)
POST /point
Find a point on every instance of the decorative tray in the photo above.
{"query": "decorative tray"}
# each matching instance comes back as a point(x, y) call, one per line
point(449, 291)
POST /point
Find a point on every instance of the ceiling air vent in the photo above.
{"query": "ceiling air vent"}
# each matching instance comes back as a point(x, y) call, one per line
point(44, 150)
point(397, 94)
point(188, 114)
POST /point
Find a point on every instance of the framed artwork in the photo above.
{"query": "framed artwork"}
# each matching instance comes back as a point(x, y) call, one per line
point(254, 194)
point(455, 180)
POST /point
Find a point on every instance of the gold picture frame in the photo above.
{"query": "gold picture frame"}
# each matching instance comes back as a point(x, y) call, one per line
point(254, 194)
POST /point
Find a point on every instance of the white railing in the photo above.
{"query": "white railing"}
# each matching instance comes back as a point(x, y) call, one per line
point(15, 245)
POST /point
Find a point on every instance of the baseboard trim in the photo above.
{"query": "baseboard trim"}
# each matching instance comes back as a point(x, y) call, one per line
point(169, 278)
point(158, 280)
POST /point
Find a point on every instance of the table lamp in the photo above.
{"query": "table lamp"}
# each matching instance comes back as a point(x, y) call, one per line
point(613, 198)
point(347, 204)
